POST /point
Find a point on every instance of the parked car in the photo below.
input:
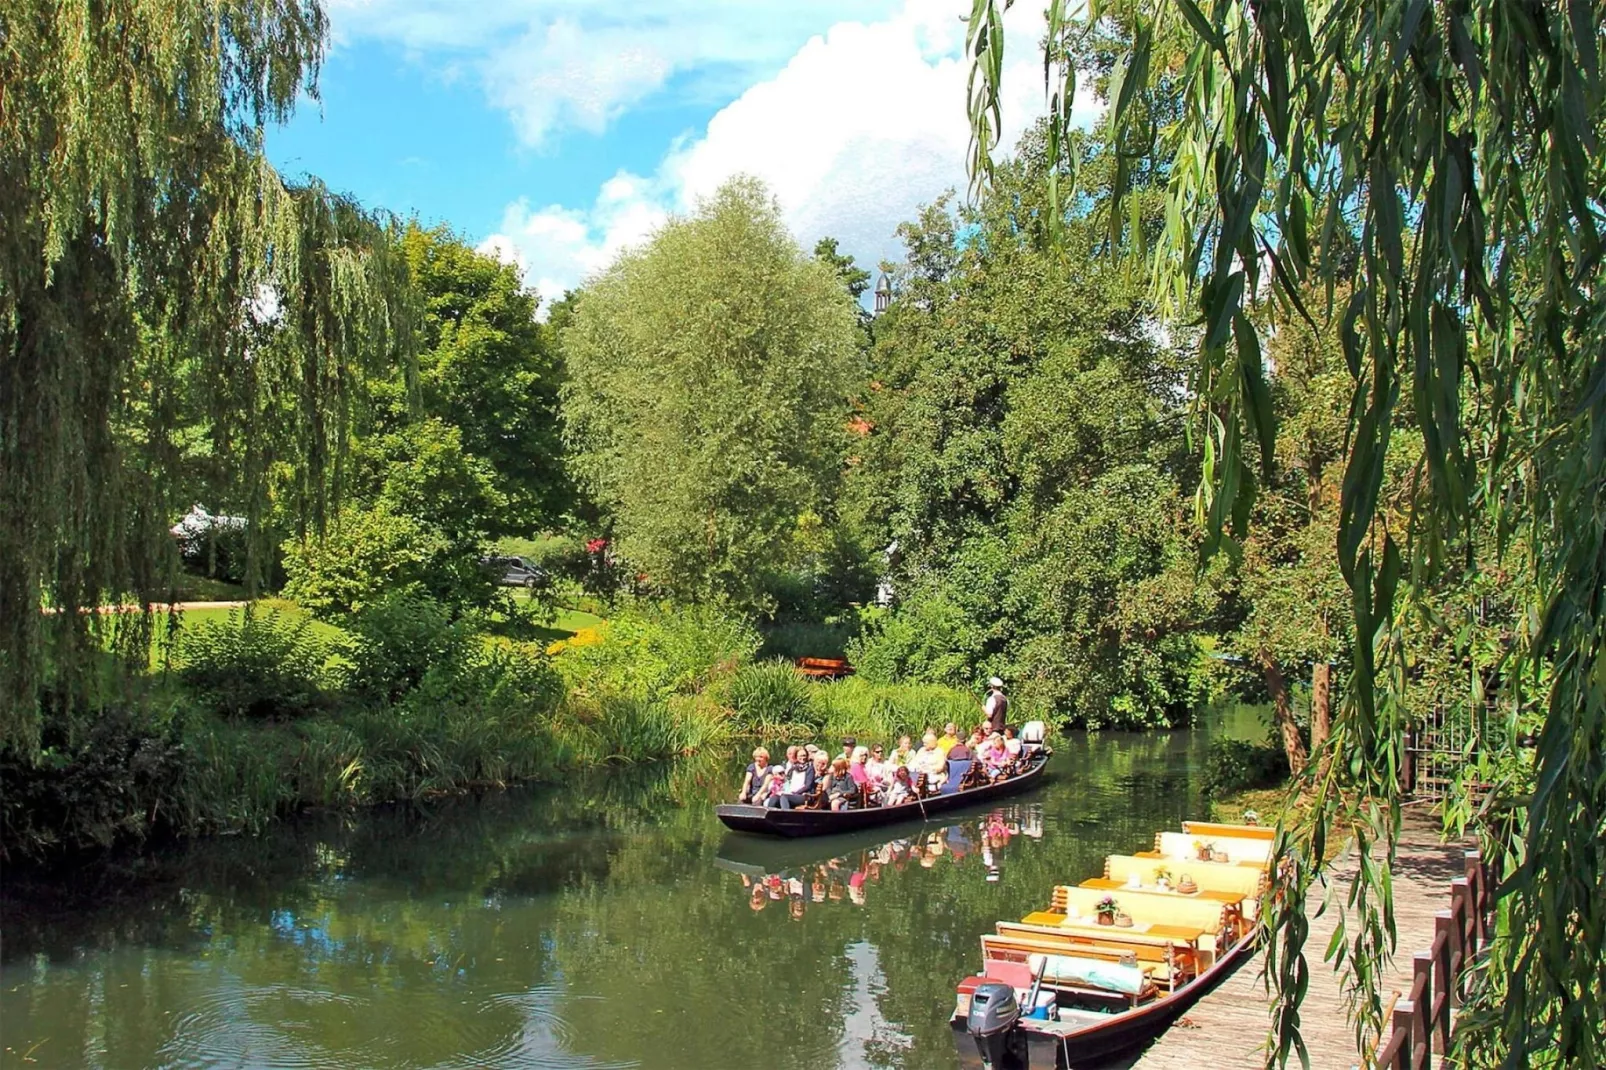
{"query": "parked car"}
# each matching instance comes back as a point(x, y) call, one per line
point(517, 572)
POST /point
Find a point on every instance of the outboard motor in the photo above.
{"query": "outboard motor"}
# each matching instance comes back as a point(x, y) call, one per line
point(994, 1014)
point(1032, 734)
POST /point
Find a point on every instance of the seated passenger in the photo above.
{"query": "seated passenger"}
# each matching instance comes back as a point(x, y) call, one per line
point(902, 753)
point(1011, 744)
point(841, 788)
point(900, 790)
point(960, 760)
point(797, 786)
point(930, 763)
point(857, 768)
point(950, 736)
point(822, 771)
point(876, 768)
point(993, 754)
point(756, 778)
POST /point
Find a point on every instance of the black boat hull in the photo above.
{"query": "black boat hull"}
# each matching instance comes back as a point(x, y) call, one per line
point(767, 821)
point(1124, 1033)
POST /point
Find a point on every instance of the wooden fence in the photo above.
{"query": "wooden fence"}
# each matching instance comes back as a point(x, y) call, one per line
point(1421, 1021)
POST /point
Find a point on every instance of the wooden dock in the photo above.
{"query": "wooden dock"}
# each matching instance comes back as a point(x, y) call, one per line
point(1228, 1027)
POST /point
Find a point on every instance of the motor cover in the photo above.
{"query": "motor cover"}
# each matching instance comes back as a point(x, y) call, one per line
point(993, 1009)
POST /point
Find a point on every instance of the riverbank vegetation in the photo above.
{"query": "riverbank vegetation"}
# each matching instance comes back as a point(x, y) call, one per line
point(710, 447)
point(1035, 463)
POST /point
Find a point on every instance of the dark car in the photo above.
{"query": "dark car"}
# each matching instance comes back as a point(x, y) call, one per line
point(516, 572)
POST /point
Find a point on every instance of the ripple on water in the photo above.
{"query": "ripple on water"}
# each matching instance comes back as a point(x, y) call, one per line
point(301, 1028)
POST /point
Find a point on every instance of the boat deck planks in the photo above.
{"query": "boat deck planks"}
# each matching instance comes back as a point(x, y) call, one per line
point(1227, 1028)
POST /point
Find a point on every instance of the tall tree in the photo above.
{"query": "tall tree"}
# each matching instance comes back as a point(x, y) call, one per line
point(707, 403)
point(1461, 148)
point(149, 259)
point(1027, 454)
point(486, 368)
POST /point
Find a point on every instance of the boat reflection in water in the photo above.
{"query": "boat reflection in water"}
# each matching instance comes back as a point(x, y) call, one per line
point(796, 875)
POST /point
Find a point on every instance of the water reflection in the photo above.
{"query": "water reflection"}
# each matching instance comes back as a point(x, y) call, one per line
point(797, 875)
point(607, 922)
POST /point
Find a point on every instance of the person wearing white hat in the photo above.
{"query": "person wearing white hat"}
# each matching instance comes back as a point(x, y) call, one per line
point(996, 705)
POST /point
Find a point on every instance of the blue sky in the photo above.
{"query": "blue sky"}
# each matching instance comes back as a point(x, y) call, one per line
point(557, 132)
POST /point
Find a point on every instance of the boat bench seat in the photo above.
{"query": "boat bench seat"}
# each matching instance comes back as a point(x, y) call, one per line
point(1217, 921)
point(1142, 946)
point(1089, 974)
point(1248, 881)
point(1168, 966)
point(1180, 846)
point(1209, 830)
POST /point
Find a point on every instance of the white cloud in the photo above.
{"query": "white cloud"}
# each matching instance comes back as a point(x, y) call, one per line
point(861, 126)
point(556, 65)
point(556, 247)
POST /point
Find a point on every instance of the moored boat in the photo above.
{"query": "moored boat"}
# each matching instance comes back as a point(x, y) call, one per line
point(1115, 961)
point(772, 821)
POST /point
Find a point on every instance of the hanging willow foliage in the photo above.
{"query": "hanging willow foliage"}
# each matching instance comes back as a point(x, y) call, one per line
point(158, 278)
point(1460, 147)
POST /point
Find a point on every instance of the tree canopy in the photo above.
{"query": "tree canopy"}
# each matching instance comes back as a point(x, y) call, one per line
point(710, 373)
point(156, 274)
point(1026, 455)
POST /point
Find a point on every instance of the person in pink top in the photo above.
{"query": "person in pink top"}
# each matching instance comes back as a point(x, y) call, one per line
point(993, 754)
point(856, 768)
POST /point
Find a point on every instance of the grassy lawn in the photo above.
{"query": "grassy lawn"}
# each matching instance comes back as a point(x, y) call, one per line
point(564, 624)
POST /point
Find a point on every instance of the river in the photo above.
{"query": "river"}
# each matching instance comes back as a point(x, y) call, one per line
point(606, 922)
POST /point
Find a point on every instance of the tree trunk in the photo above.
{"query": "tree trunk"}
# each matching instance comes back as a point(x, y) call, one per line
point(1321, 703)
point(1277, 684)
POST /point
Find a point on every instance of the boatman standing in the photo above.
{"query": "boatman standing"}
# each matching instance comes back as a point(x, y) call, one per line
point(996, 705)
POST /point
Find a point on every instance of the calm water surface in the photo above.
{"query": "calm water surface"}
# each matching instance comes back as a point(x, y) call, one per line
point(608, 923)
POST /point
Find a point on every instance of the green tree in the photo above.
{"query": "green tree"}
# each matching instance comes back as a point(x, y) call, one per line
point(486, 367)
point(1026, 455)
point(854, 278)
point(1458, 150)
point(153, 267)
point(1296, 607)
point(707, 403)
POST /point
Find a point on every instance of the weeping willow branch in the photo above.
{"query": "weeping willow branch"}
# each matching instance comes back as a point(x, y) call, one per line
point(157, 280)
point(1442, 162)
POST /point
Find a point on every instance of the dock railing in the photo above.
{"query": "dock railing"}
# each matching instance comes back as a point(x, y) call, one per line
point(1421, 1021)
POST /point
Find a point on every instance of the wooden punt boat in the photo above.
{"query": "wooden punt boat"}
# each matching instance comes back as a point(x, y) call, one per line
point(1092, 1025)
point(792, 823)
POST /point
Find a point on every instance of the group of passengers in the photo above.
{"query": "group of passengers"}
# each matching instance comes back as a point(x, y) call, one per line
point(862, 775)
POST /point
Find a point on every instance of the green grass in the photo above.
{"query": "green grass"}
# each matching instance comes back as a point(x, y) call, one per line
point(565, 624)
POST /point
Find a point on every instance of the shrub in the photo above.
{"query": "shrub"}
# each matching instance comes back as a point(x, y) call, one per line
point(372, 553)
point(1236, 765)
point(91, 791)
point(656, 651)
point(809, 639)
point(397, 640)
point(253, 665)
point(772, 693)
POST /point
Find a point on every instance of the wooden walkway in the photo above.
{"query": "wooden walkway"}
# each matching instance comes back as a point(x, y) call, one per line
point(1228, 1027)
